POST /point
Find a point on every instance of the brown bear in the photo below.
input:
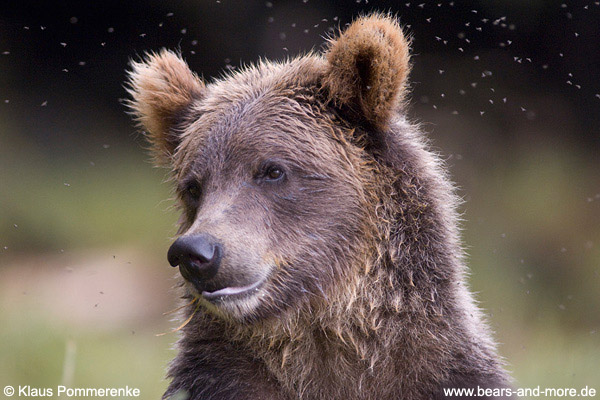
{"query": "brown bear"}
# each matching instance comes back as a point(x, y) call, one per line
point(319, 243)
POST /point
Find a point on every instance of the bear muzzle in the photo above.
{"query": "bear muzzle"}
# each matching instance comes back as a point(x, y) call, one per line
point(199, 258)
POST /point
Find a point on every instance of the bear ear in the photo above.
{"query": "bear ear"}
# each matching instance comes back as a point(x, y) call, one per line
point(161, 87)
point(367, 68)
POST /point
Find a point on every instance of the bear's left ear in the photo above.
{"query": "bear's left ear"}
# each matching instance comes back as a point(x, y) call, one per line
point(367, 67)
point(161, 87)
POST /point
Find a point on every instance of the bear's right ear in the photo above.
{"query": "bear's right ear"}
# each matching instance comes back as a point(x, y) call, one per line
point(161, 87)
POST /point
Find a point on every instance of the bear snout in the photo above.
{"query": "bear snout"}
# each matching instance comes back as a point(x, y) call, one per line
point(198, 258)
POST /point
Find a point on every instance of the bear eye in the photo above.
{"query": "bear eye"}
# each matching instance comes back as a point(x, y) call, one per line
point(193, 190)
point(274, 173)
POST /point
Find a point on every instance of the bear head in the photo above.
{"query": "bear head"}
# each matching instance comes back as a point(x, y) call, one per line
point(278, 168)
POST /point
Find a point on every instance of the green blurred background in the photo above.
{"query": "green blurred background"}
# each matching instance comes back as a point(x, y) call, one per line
point(507, 90)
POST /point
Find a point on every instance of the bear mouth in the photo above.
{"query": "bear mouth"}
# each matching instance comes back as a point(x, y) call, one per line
point(233, 292)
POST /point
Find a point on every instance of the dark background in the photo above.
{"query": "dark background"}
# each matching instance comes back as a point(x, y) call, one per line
point(507, 90)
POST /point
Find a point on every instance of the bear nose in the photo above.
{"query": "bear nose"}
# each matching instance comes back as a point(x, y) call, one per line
point(198, 257)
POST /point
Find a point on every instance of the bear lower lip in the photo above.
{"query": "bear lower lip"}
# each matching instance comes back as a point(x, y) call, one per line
point(232, 291)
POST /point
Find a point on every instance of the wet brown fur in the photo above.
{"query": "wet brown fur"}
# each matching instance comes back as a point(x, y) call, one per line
point(367, 296)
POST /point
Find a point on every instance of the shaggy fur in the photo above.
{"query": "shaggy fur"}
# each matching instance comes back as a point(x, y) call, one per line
point(364, 294)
